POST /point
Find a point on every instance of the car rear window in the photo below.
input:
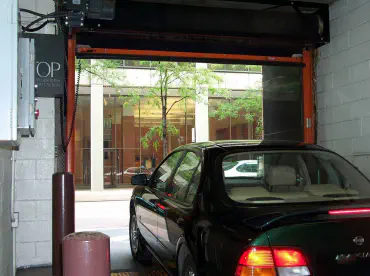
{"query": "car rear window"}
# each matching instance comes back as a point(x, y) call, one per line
point(291, 176)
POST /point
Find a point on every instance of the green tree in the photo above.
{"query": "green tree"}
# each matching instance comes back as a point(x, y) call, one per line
point(190, 83)
point(250, 102)
point(104, 70)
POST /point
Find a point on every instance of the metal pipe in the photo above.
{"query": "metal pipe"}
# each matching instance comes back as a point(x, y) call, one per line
point(12, 209)
point(193, 55)
point(308, 99)
point(63, 209)
point(70, 129)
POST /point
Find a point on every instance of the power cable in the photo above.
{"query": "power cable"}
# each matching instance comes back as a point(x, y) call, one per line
point(52, 15)
point(32, 12)
point(41, 17)
point(32, 30)
point(66, 143)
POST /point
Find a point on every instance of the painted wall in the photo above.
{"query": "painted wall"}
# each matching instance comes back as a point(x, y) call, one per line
point(343, 83)
point(8, 72)
point(33, 172)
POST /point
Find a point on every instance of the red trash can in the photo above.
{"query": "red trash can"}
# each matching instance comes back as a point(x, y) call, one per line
point(86, 254)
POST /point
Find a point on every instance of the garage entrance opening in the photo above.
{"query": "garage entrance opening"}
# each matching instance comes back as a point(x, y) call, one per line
point(144, 109)
point(125, 102)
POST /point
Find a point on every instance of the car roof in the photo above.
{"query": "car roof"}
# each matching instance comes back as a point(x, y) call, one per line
point(257, 144)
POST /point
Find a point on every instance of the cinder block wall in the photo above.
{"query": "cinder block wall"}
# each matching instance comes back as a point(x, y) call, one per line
point(33, 172)
point(343, 83)
point(34, 169)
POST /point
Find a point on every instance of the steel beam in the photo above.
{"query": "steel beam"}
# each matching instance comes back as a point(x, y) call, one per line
point(184, 23)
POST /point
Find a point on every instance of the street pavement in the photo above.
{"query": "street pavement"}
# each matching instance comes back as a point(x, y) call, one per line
point(112, 218)
point(102, 215)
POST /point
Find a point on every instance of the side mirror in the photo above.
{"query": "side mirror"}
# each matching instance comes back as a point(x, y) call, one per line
point(139, 179)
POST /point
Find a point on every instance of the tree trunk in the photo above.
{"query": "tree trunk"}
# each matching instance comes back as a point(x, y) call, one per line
point(164, 134)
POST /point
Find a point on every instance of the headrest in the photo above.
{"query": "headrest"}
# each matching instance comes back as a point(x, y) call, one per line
point(281, 176)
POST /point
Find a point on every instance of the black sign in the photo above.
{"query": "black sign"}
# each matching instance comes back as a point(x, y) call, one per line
point(50, 72)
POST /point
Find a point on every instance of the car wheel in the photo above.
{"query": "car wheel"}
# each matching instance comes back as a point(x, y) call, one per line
point(189, 268)
point(138, 249)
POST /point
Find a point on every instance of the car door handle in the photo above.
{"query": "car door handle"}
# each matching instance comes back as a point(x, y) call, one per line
point(180, 222)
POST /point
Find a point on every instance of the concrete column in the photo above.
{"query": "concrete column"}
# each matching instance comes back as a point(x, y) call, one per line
point(97, 135)
point(201, 114)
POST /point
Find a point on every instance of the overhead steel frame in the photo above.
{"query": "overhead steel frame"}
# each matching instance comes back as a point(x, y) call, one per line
point(305, 61)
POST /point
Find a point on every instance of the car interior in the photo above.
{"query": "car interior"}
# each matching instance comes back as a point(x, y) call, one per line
point(289, 177)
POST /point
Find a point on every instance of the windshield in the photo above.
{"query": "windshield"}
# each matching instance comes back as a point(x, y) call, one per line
point(291, 176)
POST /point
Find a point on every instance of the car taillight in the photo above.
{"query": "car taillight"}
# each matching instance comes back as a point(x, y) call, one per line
point(288, 257)
point(264, 261)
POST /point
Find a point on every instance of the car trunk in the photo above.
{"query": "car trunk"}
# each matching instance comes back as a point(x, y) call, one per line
point(332, 244)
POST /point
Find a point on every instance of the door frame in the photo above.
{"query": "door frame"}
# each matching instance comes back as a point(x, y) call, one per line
point(306, 61)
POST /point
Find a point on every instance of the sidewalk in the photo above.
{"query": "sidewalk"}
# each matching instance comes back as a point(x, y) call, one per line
point(92, 216)
point(105, 195)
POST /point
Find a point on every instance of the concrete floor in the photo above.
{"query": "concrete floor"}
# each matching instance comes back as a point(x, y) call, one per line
point(121, 260)
point(111, 218)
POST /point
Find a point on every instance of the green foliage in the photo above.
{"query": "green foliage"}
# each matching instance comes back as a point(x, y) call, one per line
point(155, 134)
point(132, 99)
point(103, 69)
point(250, 102)
point(190, 83)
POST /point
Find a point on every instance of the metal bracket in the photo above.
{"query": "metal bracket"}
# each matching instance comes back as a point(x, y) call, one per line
point(15, 221)
point(308, 122)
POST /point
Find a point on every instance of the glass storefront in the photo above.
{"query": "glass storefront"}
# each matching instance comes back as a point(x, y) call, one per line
point(124, 126)
point(83, 142)
point(264, 102)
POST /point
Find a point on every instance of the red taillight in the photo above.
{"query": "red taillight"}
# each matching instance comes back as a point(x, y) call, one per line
point(264, 261)
point(160, 206)
point(350, 211)
point(288, 258)
point(258, 257)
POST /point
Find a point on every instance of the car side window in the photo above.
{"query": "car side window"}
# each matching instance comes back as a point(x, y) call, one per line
point(194, 184)
point(185, 182)
point(163, 173)
point(242, 168)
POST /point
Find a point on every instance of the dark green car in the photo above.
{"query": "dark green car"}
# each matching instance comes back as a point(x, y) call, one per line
point(304, 211)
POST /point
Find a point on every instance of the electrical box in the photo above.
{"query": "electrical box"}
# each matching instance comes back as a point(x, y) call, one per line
point(93, 9)
point(27, 113)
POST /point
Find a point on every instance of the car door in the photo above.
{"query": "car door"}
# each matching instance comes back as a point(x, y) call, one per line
point(177, 205)
point(147, 206)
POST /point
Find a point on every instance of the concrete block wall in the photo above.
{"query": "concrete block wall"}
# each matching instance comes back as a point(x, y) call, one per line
point(33, 172)
point(6, 234)
point(343, 83)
